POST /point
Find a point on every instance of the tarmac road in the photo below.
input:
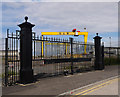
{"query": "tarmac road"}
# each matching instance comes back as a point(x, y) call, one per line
point(61, 84)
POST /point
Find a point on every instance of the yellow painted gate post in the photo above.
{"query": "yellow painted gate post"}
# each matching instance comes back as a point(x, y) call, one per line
point(66, 48)
point(42, 50)
point(85, 45)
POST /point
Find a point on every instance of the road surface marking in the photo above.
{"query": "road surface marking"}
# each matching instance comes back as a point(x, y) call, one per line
point(96, 87)
point(100, 87)
point(68, 93)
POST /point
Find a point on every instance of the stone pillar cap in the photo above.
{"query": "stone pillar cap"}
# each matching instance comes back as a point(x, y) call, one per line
point(26, 24)
point(97, 36)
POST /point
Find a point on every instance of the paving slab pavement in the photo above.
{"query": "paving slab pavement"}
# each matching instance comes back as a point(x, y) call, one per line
point(61, 84)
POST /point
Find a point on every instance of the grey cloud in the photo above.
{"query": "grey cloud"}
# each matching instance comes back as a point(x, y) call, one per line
point(96, 17)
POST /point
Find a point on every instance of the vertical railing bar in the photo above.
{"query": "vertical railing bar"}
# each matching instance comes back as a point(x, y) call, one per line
point(14, 60)
point(34, 46)
point(71, 41)
point(18, 41)
point(43, 46)
point(6, 61)
point(12, 57)
point(57, 50)
point(109, 56)
point(41, 49)
point(51, 54)
point(10, 50)
point(46, 49)
point(16, 54)
point(12, 75)
point(51, 49)
point(103, 55)
point(76, 50)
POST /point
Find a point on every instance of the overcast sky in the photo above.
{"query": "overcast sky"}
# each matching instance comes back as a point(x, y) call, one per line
point(97, 17)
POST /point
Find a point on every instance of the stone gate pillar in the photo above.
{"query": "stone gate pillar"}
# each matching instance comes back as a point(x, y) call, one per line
point(98, 53)
point(26, 72)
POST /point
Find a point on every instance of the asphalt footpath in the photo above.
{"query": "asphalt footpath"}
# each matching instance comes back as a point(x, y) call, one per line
point(61, 84)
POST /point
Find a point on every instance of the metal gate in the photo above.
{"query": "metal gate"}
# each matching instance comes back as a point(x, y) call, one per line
point(60, 56)
point(27, 53)
point(50, 57)
point(12, 59)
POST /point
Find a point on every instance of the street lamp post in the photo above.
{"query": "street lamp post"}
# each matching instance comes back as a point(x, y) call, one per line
point(110, 41)
point(109, 52)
